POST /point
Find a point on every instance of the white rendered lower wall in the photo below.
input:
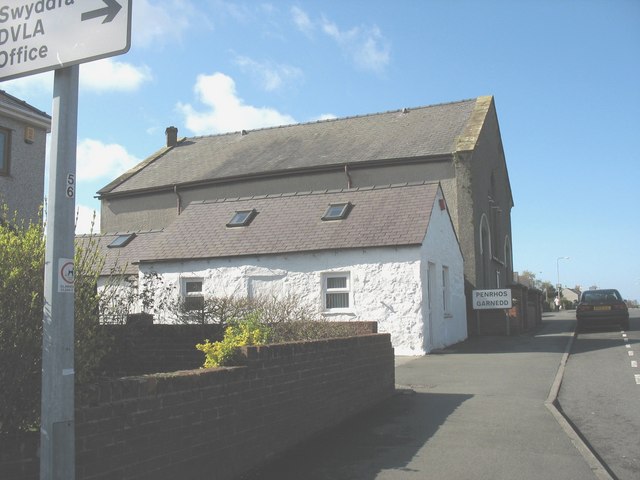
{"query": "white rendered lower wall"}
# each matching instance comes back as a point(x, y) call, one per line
point(385, 285)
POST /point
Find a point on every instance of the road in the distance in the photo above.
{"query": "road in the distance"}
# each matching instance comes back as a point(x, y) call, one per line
point(601, 396)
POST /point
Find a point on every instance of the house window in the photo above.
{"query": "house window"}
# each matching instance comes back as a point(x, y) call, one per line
point(5, 150)
point(446, 290)
point(337, 211)
point(192, 293)
point(336, 291)
point(242, 218)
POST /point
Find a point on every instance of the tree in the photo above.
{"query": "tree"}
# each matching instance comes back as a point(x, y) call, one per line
point(550, 293)
point(21, 301)
point(22, 254)
point(528, 278)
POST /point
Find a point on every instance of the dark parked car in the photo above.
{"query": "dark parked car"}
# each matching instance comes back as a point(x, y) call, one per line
point(599, 307)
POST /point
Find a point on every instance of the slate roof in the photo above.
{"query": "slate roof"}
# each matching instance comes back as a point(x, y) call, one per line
point(408, 133)
point(392, 215)
point(9, 101)
point(120, 260)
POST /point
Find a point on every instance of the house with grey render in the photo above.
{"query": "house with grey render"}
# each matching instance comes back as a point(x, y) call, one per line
point(387, 254)
point(23, 136)
point(457, 145)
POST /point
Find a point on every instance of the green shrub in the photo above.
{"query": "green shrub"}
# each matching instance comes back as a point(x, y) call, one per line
point(260, 320)
point(21, 302)
point(240, 333)
point(22, 255)
point(91, 342)
point(291, 320)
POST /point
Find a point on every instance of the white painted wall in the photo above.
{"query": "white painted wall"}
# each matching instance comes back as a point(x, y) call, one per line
point(385, 284)
point(440, 247)
point(388, 285)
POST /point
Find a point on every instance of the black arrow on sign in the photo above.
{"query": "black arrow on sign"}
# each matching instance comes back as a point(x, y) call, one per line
point(109, 12)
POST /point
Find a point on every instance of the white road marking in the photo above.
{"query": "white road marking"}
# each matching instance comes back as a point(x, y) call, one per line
point(628, 346)
point(630, 352)
point(626, 339)
point(638, 379)
point(634, 364)
point(624, 334)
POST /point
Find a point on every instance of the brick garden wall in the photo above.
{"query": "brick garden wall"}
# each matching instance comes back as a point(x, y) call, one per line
point(219, 423)
point(143, 349)
point(151, 348)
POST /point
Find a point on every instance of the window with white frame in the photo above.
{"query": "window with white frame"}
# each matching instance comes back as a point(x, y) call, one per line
point(192, 294)
point(336, 291)
point(446, 290)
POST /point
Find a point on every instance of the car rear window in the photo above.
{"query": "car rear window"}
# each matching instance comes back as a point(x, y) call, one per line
point(601, 296)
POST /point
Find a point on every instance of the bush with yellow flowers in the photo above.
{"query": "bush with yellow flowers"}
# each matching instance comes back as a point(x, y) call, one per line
point(240, 333)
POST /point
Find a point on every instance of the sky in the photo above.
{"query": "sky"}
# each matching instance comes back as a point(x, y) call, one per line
point(565, 76)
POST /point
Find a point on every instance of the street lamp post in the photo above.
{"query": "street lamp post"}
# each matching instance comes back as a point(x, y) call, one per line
point(558, 272)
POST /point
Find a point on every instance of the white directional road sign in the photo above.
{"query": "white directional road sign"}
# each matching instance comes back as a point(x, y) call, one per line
point(41, 35)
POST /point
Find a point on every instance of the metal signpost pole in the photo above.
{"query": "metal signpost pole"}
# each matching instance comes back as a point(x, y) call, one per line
point(57, 431)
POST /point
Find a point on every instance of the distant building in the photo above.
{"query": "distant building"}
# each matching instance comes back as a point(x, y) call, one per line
point(571, 294)
point(23, 135)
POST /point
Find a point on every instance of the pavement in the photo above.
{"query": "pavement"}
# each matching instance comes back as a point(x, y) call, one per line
point(481, 409)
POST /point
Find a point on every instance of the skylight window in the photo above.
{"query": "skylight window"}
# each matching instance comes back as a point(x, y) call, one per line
point(121, 240)
point(337, 211)
point(242, 218)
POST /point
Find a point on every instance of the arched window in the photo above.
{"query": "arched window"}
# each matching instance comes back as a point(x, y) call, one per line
point(495, 217)
point(507, 259)
point(485, 251)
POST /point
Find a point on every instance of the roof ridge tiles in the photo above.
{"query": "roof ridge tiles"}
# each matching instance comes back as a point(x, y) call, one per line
point(120, 232)
point(404, 110)
point(305, 193)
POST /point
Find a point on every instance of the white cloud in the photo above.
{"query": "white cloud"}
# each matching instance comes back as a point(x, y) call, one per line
point(324, 116)
point(106, 75)
point(87, 220)
point(272, 76)
point(302, 20)
point(111, 75)
point(227, 112)
point(29, 86)
point(237, 11)
point(367, 47)
point(157, 23)
point(97, 160)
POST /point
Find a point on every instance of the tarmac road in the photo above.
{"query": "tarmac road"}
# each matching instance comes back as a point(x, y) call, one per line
point(473, 411)
point(600, 394)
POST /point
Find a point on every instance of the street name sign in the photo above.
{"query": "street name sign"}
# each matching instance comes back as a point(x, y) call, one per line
point(41, 35)
point(492, 299)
